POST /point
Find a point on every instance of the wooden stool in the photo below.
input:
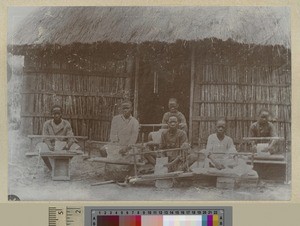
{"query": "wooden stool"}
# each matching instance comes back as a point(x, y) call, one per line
point(161, 169)
point(61, 164)
point(273, 167)
point(226, 183)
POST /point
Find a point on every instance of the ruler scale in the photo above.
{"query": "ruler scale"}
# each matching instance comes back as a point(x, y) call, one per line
point(57, 216)
point(140, 216)
point(74, 216)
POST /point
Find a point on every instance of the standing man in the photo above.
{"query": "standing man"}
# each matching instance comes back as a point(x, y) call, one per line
point(124, 128)
point(57, 127)
point(264, 128)
point(173, 111)
point(174, 138)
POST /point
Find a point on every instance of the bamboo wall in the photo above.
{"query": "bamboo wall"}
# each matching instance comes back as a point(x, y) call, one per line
point(239, 92)
point(230, 79)
point(89, 98)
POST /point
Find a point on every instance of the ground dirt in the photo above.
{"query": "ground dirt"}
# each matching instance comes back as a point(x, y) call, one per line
point(29, 180)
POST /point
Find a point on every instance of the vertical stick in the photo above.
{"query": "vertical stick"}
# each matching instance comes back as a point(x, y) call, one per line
point(134, 159)
point(129, 70)
point(192, 92)
point(286, 162)
point(136, 83)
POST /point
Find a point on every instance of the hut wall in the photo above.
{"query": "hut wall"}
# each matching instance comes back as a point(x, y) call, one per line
point(89, 98)
point(238, 89)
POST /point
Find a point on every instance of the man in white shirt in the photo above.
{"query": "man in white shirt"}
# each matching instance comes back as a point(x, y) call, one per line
point(124, 128)
point(219, 146)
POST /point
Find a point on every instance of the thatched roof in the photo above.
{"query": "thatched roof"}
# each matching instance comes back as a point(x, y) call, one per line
point(67, 25)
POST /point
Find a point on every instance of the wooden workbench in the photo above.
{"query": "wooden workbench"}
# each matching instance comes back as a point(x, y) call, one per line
point(61, 164)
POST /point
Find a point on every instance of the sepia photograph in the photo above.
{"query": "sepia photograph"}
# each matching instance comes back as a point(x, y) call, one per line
point(149, 103)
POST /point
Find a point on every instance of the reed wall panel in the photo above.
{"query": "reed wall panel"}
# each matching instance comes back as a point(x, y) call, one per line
point(239, 93)
point(89, 100)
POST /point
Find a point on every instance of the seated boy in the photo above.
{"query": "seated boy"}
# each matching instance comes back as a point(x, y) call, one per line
point(221, 153)
point(173, 107)
point(264, 128)
point(220, 148)
point(172, 138)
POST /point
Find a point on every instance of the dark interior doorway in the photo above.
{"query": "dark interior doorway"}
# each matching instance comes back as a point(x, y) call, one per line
point(157, 85)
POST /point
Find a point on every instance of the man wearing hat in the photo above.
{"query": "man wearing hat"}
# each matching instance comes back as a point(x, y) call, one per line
point(57, 127)
point(124, 127)
point(124, 133)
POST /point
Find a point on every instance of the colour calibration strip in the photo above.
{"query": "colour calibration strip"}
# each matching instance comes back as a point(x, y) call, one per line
point(159, 216)
point(165, 220)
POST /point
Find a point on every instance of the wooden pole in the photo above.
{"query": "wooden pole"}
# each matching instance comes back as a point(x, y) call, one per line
point(129, 69)
point(192, 92)
point(136, 83)
point(134, 159)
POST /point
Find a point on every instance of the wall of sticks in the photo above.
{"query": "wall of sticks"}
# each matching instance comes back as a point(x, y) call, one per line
point(89, 98)
point(238, 93)
point(231, 80)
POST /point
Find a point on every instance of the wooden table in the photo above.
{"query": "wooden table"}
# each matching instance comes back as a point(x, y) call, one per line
point(61, 164)
point(32, 151)
point(273, 167)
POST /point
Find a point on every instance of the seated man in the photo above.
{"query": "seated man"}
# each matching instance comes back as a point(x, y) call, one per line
point(173, 107)
point(57, 127)
point(221, 155)
point(264, 128)
point(123, 134)
point(124, 128)
point(174, 138)
point(219, 146)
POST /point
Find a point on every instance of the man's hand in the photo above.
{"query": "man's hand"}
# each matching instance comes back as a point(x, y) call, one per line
point(124, 150)
point(66, 147)
point(270, 149)
point(185, 146)
point(218, 165)
point(151, 144)
point(254, 148)
point(51, 148)
point(182, 125)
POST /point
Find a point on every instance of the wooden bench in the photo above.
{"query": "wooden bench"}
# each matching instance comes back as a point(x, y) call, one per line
point(61, 164)
point(61, 159)
point(33, 152)
point(273, 167)
point(266, 164)
point(146, 129)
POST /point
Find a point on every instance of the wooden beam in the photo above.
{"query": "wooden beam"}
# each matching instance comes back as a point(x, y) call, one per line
point(243, 84)
point(111, 161)
point(136, 83)
point(56, 136)
point(213, 119)
point(83, 73)
point(192, 92)
point(66, 116)
point(153, 125)
point(130, 70)
point(262, 138)
point(72, 93)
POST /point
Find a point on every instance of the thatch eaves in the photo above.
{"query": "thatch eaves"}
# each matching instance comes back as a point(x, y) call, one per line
point(67, 25)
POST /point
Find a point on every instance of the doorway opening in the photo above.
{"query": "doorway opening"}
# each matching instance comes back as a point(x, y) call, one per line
point(156, 86)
